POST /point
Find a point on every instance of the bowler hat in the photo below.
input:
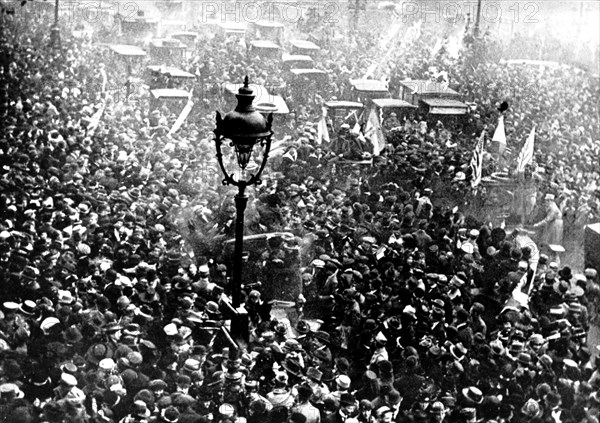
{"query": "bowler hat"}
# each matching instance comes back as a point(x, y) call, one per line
point(347, 399)
point(302, 327)
point(171, 415)
point(473, 394)
point(28, 307)
point(292, 366)
point(72, 335)
point(322, 336)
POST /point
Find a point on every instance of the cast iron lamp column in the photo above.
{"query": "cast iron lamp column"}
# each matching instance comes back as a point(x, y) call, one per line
point(243, 128)
point(477, 19)
point(55, 29)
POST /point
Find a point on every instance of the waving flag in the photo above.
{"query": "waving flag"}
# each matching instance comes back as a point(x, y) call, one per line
point(95, 120)
point(477, 161)
point(526, 154)
point(375, 133)
point(500, 135)
point(183, 115)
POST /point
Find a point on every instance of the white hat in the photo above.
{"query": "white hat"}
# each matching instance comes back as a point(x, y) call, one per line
point(318, 263)
point(467, 247)
point(381, 338)
point(11, 305)
point(226, 410)
point(48, 322)
point(460, 176)
point(65, 297)
point(106, 364)
point(343, 381)
point(68, 379)
point(549, 197)
point(11, 389)
point(170, 329)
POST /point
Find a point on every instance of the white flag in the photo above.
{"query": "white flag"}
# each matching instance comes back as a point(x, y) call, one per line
point(500, 135)
point(182, 116)
point(526, 154)
point(95, 120)
point(375, 133)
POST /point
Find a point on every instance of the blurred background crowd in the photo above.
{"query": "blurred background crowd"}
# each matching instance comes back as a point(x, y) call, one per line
point(412, 301)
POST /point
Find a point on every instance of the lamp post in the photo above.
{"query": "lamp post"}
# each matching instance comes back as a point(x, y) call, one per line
point(243, 128)
point(477, 19)
point(55, 30)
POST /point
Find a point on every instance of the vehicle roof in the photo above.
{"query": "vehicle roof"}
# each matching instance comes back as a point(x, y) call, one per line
point(169, 93)
point(265, 44)
point(269, 24)
point(392, 103)
point(446, 106)
point(127, 50)
point(159, 42)
point(444, 102)
point(304, 44)
point(183, 34)
point(171, 71)
point(296, 58)
point(340, 104)
point(423, 86)
point(262, 95)
point(371, 85)
point(241, 26)
point(299, 71)
point(274, 100)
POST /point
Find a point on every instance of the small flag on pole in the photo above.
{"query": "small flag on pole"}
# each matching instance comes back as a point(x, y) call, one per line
point(477, 161)
point(526, 154)
point(500, 135)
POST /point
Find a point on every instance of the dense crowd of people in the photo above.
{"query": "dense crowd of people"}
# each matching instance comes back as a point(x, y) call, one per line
point(115, 282)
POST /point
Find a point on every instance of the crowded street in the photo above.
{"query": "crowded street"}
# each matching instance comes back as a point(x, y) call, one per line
point(406, 228)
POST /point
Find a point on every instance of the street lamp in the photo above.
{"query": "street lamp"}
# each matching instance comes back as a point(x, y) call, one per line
point(243, 128)
point(477, 19)
point(55, 30)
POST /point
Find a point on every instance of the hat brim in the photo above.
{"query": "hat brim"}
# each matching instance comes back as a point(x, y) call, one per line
point(145, 414)
point(22, 310)
point(292, 372)
point(465, 392)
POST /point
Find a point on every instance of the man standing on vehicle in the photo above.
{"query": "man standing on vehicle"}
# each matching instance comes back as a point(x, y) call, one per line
point(552, 224)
